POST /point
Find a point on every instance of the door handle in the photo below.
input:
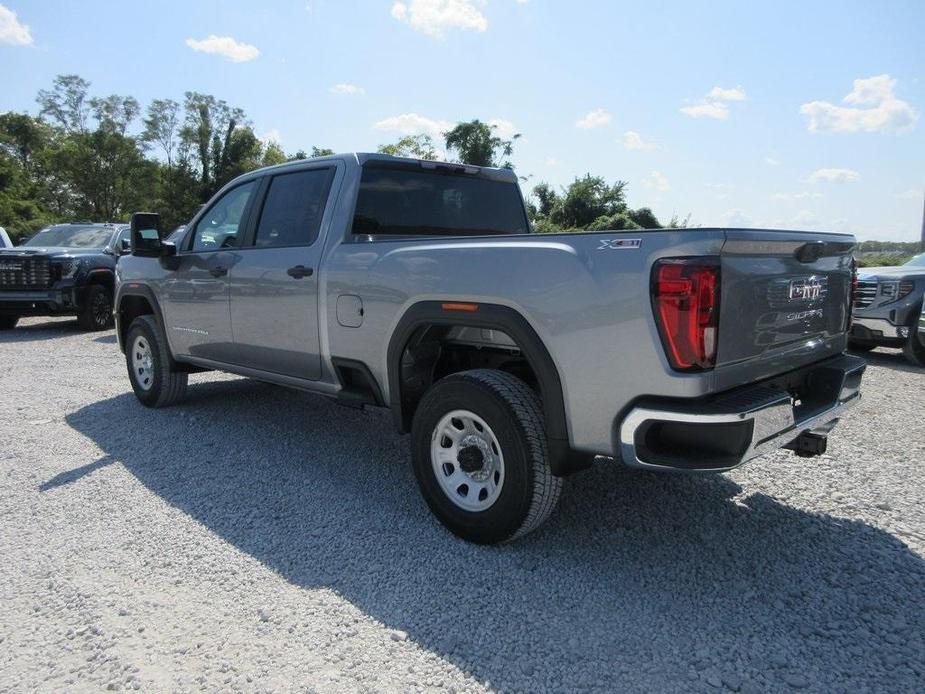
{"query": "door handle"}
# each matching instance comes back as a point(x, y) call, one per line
point(218, 271)
point(300, 271)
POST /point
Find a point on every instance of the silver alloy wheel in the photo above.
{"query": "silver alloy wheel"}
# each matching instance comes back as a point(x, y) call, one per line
point(467, 460)
point(143, 362)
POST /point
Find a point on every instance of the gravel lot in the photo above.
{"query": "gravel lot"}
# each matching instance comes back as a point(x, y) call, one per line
point(255, 538)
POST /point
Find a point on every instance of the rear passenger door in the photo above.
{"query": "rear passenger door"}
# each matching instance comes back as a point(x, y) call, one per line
point(274, 284)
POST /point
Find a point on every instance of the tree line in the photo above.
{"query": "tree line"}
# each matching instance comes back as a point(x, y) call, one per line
point(93, 158)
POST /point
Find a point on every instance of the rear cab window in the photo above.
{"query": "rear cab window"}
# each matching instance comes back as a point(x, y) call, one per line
point(293, 208)
point(415, 201)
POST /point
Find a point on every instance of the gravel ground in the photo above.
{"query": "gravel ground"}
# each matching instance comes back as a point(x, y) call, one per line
point(255, 538)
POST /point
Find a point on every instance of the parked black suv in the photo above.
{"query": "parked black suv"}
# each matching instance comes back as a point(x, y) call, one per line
point(65, 269)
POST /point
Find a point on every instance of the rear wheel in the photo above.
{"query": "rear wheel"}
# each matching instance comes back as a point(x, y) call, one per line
point(148, 362)
point(479, 455)
point(914, 350)
point(96, 313)
point(8, 322)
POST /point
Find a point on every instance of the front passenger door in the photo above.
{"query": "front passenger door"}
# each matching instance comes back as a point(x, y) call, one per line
point(196, 301)
point(274, 286)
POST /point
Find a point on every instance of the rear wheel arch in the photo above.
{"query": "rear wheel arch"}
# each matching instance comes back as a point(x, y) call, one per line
point(404, 396)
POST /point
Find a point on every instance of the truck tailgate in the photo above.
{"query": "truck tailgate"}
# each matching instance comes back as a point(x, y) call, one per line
point(785, 302)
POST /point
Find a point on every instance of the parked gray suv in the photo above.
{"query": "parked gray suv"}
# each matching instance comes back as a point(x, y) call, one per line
point(887, 306)
point(512, 359)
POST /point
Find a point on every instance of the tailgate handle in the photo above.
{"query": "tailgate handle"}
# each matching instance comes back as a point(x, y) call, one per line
point(810, 251)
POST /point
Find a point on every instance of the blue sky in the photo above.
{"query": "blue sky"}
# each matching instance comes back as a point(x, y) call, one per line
point(784, 114)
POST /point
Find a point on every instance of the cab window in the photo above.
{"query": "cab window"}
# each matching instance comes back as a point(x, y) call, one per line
point(293, 208)
point(220, 226)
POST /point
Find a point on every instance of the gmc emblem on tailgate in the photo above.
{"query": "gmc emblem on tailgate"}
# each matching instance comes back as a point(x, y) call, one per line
point(807, 288)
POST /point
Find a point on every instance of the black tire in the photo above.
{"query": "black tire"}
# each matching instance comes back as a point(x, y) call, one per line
point(914, 350)
point(513, 413)
point(158, 385)
point(8, 322)
point(96, 313)
point(861, 347)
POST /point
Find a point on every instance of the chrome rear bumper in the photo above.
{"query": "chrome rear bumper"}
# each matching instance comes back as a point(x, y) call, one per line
point(726, 431)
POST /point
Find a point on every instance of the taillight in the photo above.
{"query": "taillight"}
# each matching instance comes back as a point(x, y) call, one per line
point(685, 297)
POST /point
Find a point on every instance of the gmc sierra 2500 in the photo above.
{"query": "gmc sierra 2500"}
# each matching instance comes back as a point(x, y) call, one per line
point(513, 359)
point(65, 269)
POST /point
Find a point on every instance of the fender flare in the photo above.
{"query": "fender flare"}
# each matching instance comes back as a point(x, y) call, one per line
point(562, 459)
point(144, 291)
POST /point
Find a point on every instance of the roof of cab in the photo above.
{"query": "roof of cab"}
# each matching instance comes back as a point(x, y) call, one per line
point(362, 158)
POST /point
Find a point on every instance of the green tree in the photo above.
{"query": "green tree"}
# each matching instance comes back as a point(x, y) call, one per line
point(412, 146)
point(24, 194)
point(66, 103)
point(589, 203)
point(320, 152)
point(476, 143)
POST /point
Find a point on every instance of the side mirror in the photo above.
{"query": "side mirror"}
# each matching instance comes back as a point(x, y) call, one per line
point(125, 246)
point(146, 235)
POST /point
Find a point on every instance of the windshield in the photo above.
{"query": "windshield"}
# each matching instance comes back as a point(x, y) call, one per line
point(72, 236)
point(430, 203)
point(916, 261)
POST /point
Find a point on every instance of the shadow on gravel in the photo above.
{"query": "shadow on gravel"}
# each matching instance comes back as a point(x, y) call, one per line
point(106, 339)
point(73, 475)
point(39, 331)
point(639, 582)
point(891, 359)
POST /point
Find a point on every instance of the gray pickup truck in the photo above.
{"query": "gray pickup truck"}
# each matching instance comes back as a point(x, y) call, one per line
point(513, 359)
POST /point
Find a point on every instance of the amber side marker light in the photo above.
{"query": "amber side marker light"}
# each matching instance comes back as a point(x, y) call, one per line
point(465, 308)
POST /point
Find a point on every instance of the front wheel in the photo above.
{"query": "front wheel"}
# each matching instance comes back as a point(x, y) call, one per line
point(148, 362)
point(96, 313)
point(8, 322)
point(914, 350)
point(479, 455)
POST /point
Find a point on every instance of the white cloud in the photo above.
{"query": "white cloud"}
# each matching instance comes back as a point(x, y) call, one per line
point(503, 128)
point(910, 195)
point(434, 17)
point(226, 47)
point(657, 181)
point(633, 140)
point(594, 119)
point(833, 176)
point(874, 109)
point(715, 104)
point(771, 161)
point(552, 161)
point(714, 110)
point(271, 136)
point(414, 124)
point(13, 31)
point(347, 89)
point(802, 195)
point(733, 94)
